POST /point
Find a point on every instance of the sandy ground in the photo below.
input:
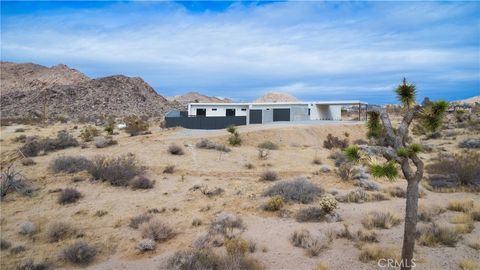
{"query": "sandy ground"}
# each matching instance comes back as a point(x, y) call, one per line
point(299, 145)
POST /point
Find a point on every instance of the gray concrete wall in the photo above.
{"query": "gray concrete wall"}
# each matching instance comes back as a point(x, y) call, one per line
point(267, 116)
point(299, 113)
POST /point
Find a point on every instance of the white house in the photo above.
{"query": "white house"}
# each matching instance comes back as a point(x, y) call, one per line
point(257, 113)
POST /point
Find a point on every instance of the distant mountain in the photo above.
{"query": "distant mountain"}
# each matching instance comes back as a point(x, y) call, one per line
point(276, 97)
point(192, 97)
point(471, 101)
point(26, 89)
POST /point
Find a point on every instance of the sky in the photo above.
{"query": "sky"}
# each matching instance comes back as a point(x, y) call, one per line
point(312, 50)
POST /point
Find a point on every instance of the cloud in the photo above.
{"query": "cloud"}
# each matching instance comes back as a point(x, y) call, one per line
point(311, 49)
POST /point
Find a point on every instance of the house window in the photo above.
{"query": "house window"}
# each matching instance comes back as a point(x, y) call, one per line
point(201, 112)
point(309, 111)
point(230, 112)
point(214, 109)
point(244, 110)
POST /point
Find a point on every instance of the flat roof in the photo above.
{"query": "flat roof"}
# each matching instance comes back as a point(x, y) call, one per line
point(336, 102)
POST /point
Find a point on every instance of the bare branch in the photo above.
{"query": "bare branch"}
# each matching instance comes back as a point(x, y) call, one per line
point(402, 130)
point(387, 152)
point(386, 124)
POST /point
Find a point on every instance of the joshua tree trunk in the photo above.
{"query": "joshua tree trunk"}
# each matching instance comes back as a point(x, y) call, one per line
point(410, 224)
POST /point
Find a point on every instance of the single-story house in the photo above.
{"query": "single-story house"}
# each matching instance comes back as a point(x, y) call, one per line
point(220, 115)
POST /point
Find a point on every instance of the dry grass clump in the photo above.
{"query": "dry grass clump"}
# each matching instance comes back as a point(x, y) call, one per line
point(460, 205)
point(34, 145)
point(226, 224)
point(70, 164)
point(249, 166)
point(268, 145)
point(236, 246)
point(207, 259)
point(468, 264)
point(196, 222)
point(17, 250)
point(136, 221)
point(27, 228)
point(269, 176)
point(58, 231)
point(475, 244)
point(321, 266)
point(79, 253)
point(314, 245)
point(317, 161)
point(432, 235)
point(297, 190)
point(11, 179)
point(141, 182)
point(345, 171)
point(206, 144)
point(169, 169)
point(135, 125)
point(116, 170)
point(310, 214)
point(4, 244)
point(475, 213)
point(359, 195)
point(275, 203)
point(463, 223)
point(375, 252)
point(395, 191)
point(33, 265)
point(88, 133)
point(335, 142)
point(175, 149)
point(427, 213)
point(361, 235)
point(463, 168)
point(339, 158)
point(157, 231)
point(383, 220)
point(69, 195)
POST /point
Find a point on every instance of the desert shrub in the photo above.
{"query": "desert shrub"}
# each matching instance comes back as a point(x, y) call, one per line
point(360, 142)
point(268, 145)
point(33, 265)
point(4, 244)
point(141, 182)
point(460, 205)
point(68, 195)
point(226, 224)
point(11, 179)
point(206, 144)
point(328, 203)
point(62, 141)
point(463, 168)
point(432, 235)
point(383, 220)
point(70, 164)
point(345, 233)
point(19, 130)
point(135, 125)
point(317, 161)
point(211, 192)
point(79, 253)
point(395, 191)
point(236, 246)
point(58, 231)
point(475, 213)
point(27, 228)
point(475, 244)
point(17, 250)
point(117, 170)
point(249, 166)
point(468, 264)
point(20, 139)
point(88, 133)
point(32, 146)
point(234, 139)
point(263, 154)
point(102, 142)
point(269, 176)
point(175, 149)
point(334, 142)
point(136, 221)
point(310, 214)
point(156, 230)
point(313, 244)
point(275, 203)
point(345, 171)
point(297, 190)
point(375, 252)
point(28, 162)
point(110, 127)
point(252, 246)
point(146, 245)
point(359, 195)
point(426, 213)
point(169, 169)
point(367, 236)
point(196, 222)
point(471, 143)
point(463, 223)
point(339, 158)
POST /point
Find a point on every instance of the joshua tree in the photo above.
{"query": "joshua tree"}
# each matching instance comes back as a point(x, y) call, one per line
point(394, 145)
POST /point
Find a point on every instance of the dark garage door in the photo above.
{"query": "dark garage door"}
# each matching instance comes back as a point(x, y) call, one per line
point(255, 116)
point(281, 115)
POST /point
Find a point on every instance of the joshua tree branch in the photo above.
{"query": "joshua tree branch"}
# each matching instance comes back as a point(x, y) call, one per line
point(386, 124)
point(402, 130)
point(387, 152)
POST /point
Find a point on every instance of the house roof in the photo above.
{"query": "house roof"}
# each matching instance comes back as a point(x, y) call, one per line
point(336, 102)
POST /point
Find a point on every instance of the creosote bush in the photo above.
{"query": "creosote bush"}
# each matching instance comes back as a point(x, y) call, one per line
point(157, 230)
point(70, 164)
point(135, 125)
point(345, 171)
point(334, 142)
point(297, 190)
point(136, 221)
point(383, 220)
point(268, 145)
point(116, 170)
point(175, 149)
point(58, 231)
point(79, 253)
point(88, 133)
point(275, 203)
point(269, 176)
point(68, 195)
point(34, 145)
point(310, 214)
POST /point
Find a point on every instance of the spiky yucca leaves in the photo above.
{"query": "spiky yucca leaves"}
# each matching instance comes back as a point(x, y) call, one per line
point(410, 150)
point(432, 115)
point(354, 154)
point(388, 170)
point(374, 126)
point(406, 93)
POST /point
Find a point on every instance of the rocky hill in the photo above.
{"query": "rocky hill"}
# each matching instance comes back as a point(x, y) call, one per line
point(191, 97)
point(470, 101)
point(27, 89)
point(276, 97)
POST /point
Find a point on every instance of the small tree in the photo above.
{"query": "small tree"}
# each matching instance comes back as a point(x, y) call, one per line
point(392, 144)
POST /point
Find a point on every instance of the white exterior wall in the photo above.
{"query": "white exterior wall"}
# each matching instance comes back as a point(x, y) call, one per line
point(326, 112)
point(221, 110)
